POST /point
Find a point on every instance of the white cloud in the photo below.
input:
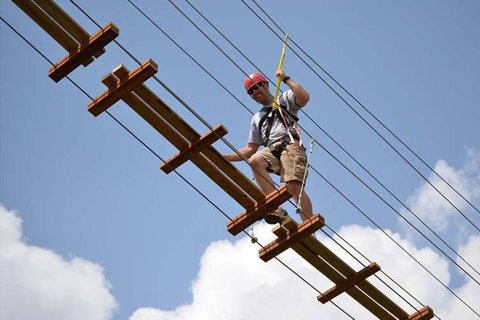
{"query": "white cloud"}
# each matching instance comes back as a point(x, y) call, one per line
point(233, 283)
point(432, 208)
point(471, 290)
point(37, 283)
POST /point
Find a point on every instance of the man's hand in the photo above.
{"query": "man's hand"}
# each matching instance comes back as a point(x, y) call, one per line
point(301, 95)
point(281, 74)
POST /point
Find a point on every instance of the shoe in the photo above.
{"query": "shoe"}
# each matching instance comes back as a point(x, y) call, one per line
point(276, 216)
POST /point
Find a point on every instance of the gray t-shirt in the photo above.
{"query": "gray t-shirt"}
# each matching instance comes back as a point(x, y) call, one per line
point(278, 130)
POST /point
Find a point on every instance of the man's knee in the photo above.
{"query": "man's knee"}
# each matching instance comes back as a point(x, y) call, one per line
point(258, 162)
point(295, 186)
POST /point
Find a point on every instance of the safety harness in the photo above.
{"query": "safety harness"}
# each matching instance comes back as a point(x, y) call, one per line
point(290, 123)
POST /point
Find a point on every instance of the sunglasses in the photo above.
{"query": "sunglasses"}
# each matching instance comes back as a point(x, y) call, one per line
point(254, 87)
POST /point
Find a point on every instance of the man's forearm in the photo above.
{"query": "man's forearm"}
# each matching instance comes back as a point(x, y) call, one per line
point(301, 95)
point(235, 157)
point(243, 154)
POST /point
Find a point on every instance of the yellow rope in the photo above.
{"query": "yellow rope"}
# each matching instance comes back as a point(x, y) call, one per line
point(280, 66)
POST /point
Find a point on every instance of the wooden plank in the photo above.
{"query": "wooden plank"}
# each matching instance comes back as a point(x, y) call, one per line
point(83, 52)
point(280, 231)
point(191, 135)
point(144, 111)
point(99, 52)
point(167, 113)
point(423, 314)
point(320, 249)
point(109, 80)
point(47, 24)
point(121, 72)
point(65, 21)
point(112, 95)
point(194, 148)
point(332, 274)
point(348, 283)
point(279, 245)
point(260, 210)
point(165, 129)
point(68, 24)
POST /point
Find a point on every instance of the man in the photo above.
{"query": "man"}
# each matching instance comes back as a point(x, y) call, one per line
point(282, 155)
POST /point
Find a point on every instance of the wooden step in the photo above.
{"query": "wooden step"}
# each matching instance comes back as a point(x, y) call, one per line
point(423, 314)
point(66, 22)
point(83, 52)
point(349, 283)
point(112, 95)
point(47, 24)
point(291, 237)
point(195, 148)
point(81, 47)
point(260, 210)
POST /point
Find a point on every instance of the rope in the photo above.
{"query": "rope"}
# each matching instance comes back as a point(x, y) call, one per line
point(299, 204)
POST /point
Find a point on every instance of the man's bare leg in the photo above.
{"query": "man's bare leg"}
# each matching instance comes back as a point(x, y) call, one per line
point(261, 175)
point(307, 209)
point(265, 181)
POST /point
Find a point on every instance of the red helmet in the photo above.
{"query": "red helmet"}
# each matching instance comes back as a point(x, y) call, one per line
point(253, 79)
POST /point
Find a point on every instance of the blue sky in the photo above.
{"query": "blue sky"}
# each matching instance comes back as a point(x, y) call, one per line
point(85, 189)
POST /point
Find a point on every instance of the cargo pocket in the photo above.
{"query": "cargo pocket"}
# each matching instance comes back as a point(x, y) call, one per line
point(300, 165)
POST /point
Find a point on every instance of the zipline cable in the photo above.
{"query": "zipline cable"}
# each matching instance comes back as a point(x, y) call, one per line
point(368, 111)
point(178, 174)
point(375, 130)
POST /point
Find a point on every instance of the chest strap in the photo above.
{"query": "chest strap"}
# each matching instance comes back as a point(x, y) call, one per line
point(289, 123)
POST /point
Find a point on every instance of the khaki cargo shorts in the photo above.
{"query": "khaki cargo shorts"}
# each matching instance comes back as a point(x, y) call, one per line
point(292, 165)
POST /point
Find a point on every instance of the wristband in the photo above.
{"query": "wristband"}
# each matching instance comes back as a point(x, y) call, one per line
point(286, 79)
